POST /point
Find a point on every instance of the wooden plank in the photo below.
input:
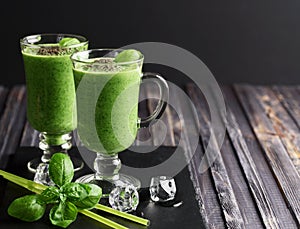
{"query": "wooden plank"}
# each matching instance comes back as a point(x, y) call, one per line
point(289, 97)
point(283, 124)
point(30, 136)
point(12, 123)
point(227, 198)
point(275, 152)
point(240, 186)
point(184, 127)
point(272, 207)
point(161, 131)
point(3, 96)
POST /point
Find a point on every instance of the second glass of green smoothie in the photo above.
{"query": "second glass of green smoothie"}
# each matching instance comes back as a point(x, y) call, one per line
point(107, 91)
point(51, 101)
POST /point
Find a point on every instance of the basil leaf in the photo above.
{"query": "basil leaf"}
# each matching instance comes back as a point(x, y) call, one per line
point(75, 191)
point(127, 56)
point(67, 41)
point(63, 214)
point(94, 194)
point(61, 169)
point(50, 195)
point(27, 208)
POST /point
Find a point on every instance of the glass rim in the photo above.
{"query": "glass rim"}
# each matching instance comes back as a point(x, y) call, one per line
point(83, 40)
point(141, 58)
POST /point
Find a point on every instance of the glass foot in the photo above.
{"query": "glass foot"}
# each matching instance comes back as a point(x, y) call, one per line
point(108, 184)
point(35, 163)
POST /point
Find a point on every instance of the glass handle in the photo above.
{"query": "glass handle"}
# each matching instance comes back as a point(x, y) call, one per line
point(164, 97)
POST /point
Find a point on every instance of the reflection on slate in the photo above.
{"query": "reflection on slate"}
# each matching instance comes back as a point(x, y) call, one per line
point(185, 216)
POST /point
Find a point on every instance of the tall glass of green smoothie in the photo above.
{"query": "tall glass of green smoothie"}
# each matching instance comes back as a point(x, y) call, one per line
point(51, 100)
point(107, 89)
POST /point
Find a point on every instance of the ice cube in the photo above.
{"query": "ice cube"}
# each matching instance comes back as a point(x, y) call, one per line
point(162, 188)
point(124, 198)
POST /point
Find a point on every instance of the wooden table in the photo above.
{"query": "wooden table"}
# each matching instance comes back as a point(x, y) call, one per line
point(254, 181)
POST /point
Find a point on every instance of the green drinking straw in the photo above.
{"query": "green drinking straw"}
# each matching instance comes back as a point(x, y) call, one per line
point(28, 184)
point(102, 219)
point(125, 215)
point(39, 188)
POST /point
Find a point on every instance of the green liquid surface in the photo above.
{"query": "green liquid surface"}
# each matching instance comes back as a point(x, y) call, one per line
point(51, 104)
point(107, 104)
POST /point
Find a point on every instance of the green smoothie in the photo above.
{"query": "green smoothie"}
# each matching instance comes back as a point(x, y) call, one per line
point(107, 97)
point(50, 87)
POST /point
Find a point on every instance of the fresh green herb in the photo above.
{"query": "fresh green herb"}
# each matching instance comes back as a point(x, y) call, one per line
point(84, 196)
point(128, 56)
point(66, 196)
point(50, 195)
point(75, 191)
point(67, 41)
point(63, 214)
point(61, 169)
point(27, 208)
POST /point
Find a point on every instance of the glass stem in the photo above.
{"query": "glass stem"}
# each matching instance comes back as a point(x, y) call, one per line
point(107, 166)
point(51, 144)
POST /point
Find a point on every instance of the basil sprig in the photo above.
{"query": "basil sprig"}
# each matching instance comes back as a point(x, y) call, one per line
point(61, 169)
point(66, 197)
point(67, 41)
point(128, 55)
point(27, 208)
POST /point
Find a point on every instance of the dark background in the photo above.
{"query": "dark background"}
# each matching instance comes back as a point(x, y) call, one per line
point(250, 41)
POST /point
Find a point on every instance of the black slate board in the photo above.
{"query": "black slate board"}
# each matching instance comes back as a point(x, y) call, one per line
point(185, 216)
